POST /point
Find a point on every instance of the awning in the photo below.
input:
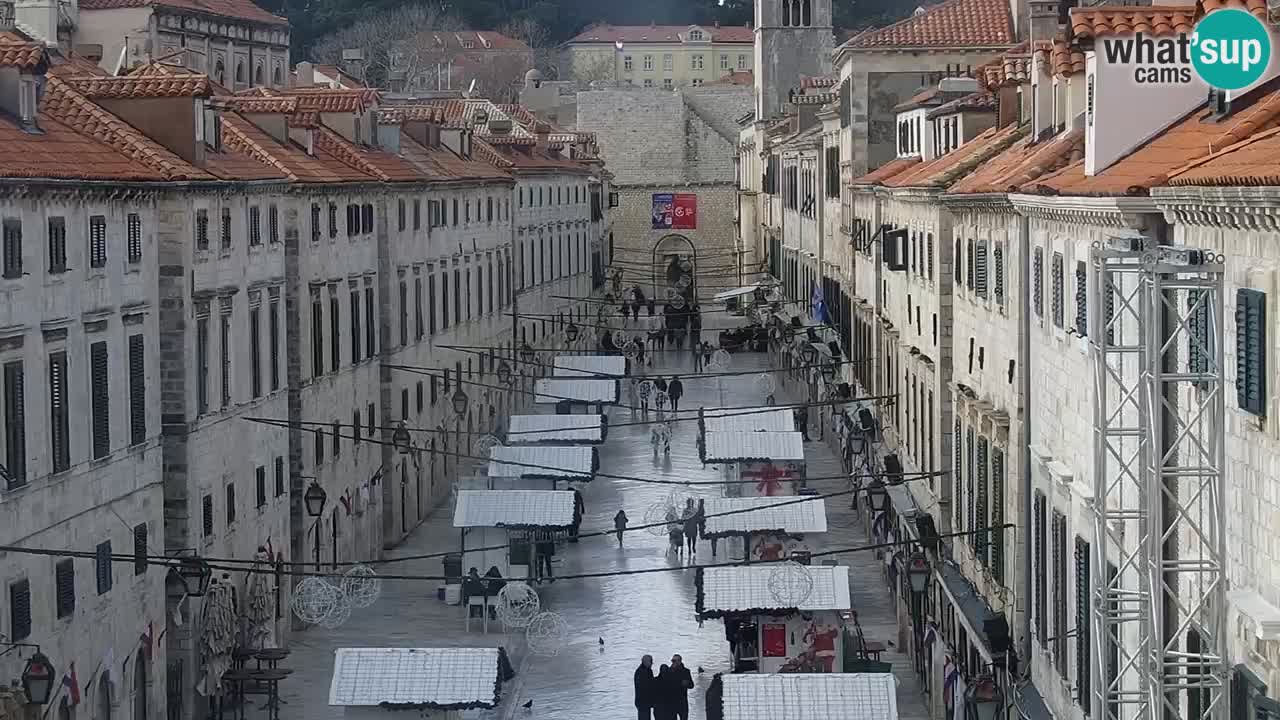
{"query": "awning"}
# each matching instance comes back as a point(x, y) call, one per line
point(973, 608)
point(454, 678)
point(562, 462)
point(549, 391)
point(745, 589)
point(765, 514)
point(567, 429)
point(720, 447)
point(513, 508)
point(750, 420)
point(592, 366)
point(736, 292)
point(808, 696)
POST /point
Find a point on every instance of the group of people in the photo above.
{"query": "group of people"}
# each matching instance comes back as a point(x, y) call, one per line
point(664, 696)
point(684, 528)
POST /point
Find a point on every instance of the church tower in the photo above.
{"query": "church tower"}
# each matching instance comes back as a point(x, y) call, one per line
point(793, 39)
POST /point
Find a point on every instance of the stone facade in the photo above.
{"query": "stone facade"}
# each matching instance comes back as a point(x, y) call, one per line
point(793, 40)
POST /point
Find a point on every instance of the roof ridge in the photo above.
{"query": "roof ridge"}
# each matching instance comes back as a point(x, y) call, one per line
point(979, 156)
point(338, 145)
point(867, 40)
point(241, 142)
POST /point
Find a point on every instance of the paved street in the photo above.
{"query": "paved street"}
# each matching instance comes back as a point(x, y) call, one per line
point(635, 614)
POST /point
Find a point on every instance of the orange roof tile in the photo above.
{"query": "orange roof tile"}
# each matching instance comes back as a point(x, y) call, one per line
point(1022, 163)
point(61, 153)
point(490, 154)
point(308, 119)
point(254, 105)
point(143, 86)
point(1011, 68)
point(954, 23)
point(524, 157)
point(886, 171)
point(244, 137)
point(660, 34)
point(974, 102)
point(237, 9)
point(1155, 20)
point(20, 53)
point(1064, 60)
point(1253, 161)
point(1197, 135)
point(409, 113)
point(327, 100)
point(381, 165)
point(74, 65)
point(943, 171)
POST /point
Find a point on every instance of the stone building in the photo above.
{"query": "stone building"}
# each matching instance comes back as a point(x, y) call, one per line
point(657, 56)
point(793, 39)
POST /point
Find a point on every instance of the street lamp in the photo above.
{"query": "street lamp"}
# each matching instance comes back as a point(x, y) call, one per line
point(829, 370)
point(808, 354)
point(877, 495)
point(314, 499)
point(571, 332)
point(400, 439)
point(37, 679)
point(918, 572)
point(985, 697)
point(193, 574)
point(460, 402)
point(504, 372)
point(526, 353)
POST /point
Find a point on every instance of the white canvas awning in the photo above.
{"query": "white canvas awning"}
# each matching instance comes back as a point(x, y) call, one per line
point(441, 678)
point(593, 366)
point(809, 696)
point(549, 391)
point(513, 508)
point(736, 292)
point(565, 462)
point(741, 588)
point(744, 446)
point(532, 429)
point(750, 420)
point(758, 514)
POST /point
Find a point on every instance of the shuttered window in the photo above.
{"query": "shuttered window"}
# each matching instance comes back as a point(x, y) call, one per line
point(335, 324)
point(202, 364)
point(333, 220)
point(224, 346)
point(137, 389)
point(273, 224)
point(366, 218)
point(404, 313)
point(1037, 282)
point(20, 610)
point(1060, 629)
point(255, 225)
point(206, 515)
point(400, 215)
point(997, 272)
point(102, 567)
point(928, 256)
point(231, 502)
point(97, 241)
point(202, 229)
point(315, 222)
point(15, 424)
point(970, 496)
point(1083, 655)
point(64, 588)
point(133, 227)
point(273, 340)
point(12, 261)
point(255, 351)
point(57, 244)
point(1200, 338)
point(1041, 592)
point(224, 232)
point(279, 476)
point(59, 413)
point(317, 334)
point(1056, 289)
point(356, 336)
point(368, 420)
point(99, 400)
point(1082, 300)
point(957, 472)
point(980, 273)
point(970, 263)
point(419, 326)
point(336, 433)
point(318, 435)
point(981, 542)
point(370, 329)
point(260, 486)
point(996, 538)
point(139, 549)
point(1251, 351)
point(957, 263)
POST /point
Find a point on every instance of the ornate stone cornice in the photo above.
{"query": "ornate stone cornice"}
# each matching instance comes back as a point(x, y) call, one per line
point(1119, 212)
point(980, 202)
point(915, 194)
point(1242, 208)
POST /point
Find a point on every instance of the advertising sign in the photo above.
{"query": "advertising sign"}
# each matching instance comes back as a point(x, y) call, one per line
point(675, 211)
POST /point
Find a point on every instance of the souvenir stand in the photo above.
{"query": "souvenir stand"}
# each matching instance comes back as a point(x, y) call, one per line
point(765, 528)
point(564, 393)
point(557, 429)
point(761, 419)
point(522, 467)
point(756, 463)
point(503, 525)
point(435, 683)
point(803, 696)
point(590, 366)
point(769, 635)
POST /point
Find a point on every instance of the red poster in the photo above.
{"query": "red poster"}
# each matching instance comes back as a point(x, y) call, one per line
point(773, 641)
point(685, 212)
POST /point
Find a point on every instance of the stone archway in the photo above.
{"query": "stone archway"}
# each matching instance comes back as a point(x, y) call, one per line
point(674, 258)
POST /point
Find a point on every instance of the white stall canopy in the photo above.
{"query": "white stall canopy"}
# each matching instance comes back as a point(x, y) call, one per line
point(809, 696)
point(533, 429)
point(763, 419)
point(745, 588)
point(594, 366)
point(738, 446)
point(513, 508)
point(431, 678)
point(555, 462)
point(549, 391)
point(766, 514)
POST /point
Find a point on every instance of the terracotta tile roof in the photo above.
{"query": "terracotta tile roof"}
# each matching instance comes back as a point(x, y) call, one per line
point(328, 100)
point(1253, 161)
point(886, 171)
point(1011, 68)
point(237, 9)
point(1063, 59)
point(256, 105)
point(1155, 20)
point(943, 171)
point(441, 163)
point(409, 113)
point(490, 154)
point(955, 23)
point(520, 114)
point(825, 81)
point(660, 34)
point(61, 153)
point(974, 102)
point(338, 74)
point(1022, 163)
point(306, 119)
point(234, 165)
point(69, 107)
point(143, 86)
point(73, 65)
point(523, 157)
point(244, 137)
point(736, 77)
point(370, 161)
point(1192, 138)
point(20, 53)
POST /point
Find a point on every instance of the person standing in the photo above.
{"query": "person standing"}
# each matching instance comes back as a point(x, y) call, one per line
point(695, 326)
point(663, 707)
point(579, 509)
point(681, 683)
point(802, 419)
point(545, 549)
point(644, 684)
point(674, 534)
point(675, 391)
point(619, 527)
point(691, 533)
point(697, 357)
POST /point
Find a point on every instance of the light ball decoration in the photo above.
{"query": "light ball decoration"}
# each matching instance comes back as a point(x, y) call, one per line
point(484, 444)
point(631, 350)
point(645, 389)
point(518, 604)
point(362, 586)
point(313, 600)
point(546, 634)
point(683, 282)
point(662, 433)
point(766, 384)
point(790, 583)
point(720, 360)
point(686, 265)
point(655, 517)
point(340, 613)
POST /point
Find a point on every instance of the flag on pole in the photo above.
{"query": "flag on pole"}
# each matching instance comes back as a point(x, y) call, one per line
point(72, 684)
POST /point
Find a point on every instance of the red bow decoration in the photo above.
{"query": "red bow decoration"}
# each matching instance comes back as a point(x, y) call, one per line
point(769, 480)
point(346, 502)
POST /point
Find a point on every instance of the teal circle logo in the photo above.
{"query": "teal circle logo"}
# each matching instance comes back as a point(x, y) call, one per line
point(1230, 49)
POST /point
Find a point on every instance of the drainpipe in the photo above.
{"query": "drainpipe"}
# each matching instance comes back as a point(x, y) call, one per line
point(1024, 392)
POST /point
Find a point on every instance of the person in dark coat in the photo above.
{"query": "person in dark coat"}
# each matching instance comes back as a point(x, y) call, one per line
point(579, 509)
point(645, 684)
point(660, 384)
point(695, 325)
point(675, 390)
point(678, 686)
point(663, 697)
point(620, 526)
point(545, 549)
point(802, 419)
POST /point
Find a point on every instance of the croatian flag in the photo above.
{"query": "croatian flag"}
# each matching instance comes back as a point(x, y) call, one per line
point(72, 684)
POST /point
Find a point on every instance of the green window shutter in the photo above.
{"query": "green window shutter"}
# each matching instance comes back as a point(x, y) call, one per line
point(1083, 654)
point(1251, 351)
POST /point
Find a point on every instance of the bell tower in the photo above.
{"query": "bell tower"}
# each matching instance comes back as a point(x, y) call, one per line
point(793, 39)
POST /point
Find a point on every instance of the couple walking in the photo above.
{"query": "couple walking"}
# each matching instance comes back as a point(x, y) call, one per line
point(666, 696)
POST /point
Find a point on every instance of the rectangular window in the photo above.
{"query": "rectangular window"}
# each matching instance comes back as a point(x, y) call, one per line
point(255, 351)
point(273, 337)
point(957, 263)
point(1251, 351)
point(273, 224)
point(15, 428)
point(1083, 657)
point(1060, 593)
point(648, 62)
point(102, 567)
point(457, 296)
point(695, 62)
point(981, 541)
point(997, 272)
point(315, 222)
point(1082, 300)
point(99, 400)
point(1037, 282)
point(401, 215)
point(225, 229)
point(57, 244)
point(20, 610)
point(417, 214)
point(260, 486)
point(369, 419)
point(980, 276)
point(1056, 289)
point(202, 365)
point(12, 262)
point(742, 62)
point(317, 334)
point(431, 295)
point(336, 436)
point(231, 503)
point(353, 220)
point(279, 476)
point(419, 328)
point(971, 264)
point(957, 472)
point(420, 397)
point(370, 329)
point(1041, 592)
point(404, 313)
point(668, 62)
point(206, 515)
point(140, 549)
point(366, 218)
point(335, 323)
point(626, 63)
point(996, 539)
point(97, 241)
point(356, 337)
point(64, 580)
point(724, 62)
point(224, 346)
point(333, 220)
point(255, 228)
point(355, 427)
point(137, 389)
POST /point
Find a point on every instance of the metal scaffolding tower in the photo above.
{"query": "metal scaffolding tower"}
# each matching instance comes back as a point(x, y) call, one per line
point(1158, 576)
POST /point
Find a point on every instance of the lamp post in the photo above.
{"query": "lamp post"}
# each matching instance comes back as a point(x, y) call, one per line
point(985, 698)
point(918, 577)
point(877, 496)
point(401, 439)
point(617, 61)
point(190, 576)
point(37, 679)
point(571, 333)
point(314, 500)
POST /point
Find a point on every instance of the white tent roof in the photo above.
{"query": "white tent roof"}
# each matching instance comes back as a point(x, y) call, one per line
point(750, 420)
point(766, 513)
point(497, 508)
point(734, 446)
point(737, 292)
point(595, 366)
point(525, 429)
point(572, 462)
point(549, 391)
point(437, 676)
point(746, 587)
point(810, 696)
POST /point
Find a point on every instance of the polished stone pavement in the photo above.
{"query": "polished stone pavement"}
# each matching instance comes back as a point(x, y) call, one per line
point(634, 614)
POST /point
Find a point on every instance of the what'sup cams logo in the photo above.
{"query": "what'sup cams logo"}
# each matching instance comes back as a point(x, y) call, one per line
point(1228, 50)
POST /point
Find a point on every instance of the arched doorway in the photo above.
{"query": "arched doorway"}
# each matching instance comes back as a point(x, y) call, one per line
point(675, 264)
point(140, 682)
point(102, 708)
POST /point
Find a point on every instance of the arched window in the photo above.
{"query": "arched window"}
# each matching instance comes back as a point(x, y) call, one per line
point(258, 75)
point(276, 80)
point(806, 18)
point(220, 73)
point(795, 13)
point(240, 74)
point(786, 13)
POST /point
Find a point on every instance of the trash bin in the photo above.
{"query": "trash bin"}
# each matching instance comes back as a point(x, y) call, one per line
point(453, 569)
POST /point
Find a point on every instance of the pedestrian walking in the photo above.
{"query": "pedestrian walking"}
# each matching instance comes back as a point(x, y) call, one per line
point(675, 533)
point(545, 549)
point(697, 357)
point(691, 533)
point(640, 355)
point(675, 391)
point(802, 419)
point(626, 311)
point(707, 350)
point(679, 685)
point(645, 685)
point(695, 325)
point(619, 527)
point(663, 698)
point(579, 509)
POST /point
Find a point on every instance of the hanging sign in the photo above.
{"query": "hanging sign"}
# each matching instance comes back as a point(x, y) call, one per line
point(675, 211)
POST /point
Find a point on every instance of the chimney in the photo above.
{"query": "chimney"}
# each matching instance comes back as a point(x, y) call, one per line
point(306, 74)
point(1045, 19)
point(38, 18)
point(1008, 105)
point(543, 133)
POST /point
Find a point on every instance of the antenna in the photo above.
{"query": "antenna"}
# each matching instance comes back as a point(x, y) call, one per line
point(470, 89)
point(124, 55)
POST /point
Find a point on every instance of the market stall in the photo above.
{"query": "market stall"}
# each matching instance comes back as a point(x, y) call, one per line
point(503, 526)
point(436, 683)
point(765, 528)
point(767, 634)
point(590, 366)
point(803, 696)
point(557, 429)
point(756, 463)
point(761, 419)
point(565, 393)
point(512, 467)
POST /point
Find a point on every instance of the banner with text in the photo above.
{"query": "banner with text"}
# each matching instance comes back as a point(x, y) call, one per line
point(675, 211)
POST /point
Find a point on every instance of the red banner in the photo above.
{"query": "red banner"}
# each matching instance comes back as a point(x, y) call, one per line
point(773, 641)
point(684, 215)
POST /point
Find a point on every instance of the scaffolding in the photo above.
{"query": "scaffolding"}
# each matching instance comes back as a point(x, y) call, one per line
point(1158, 575)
